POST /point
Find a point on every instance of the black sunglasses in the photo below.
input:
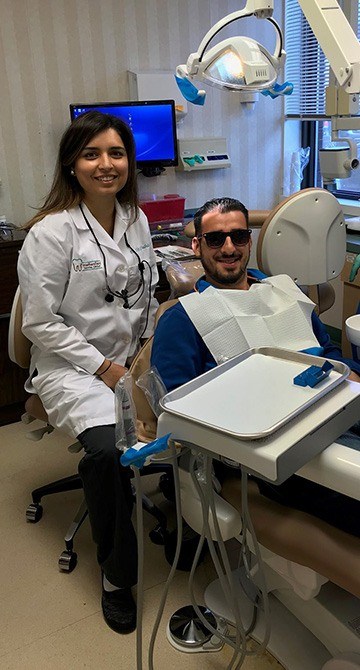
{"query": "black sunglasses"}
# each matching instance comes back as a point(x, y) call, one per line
point(216, 239)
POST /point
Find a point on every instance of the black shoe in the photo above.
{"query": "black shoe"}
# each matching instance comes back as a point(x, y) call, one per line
point(119, 610)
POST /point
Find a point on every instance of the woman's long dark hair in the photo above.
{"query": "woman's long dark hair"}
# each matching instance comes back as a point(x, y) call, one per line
point(66, 191)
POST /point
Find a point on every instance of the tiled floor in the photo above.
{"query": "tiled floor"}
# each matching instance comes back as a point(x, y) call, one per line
point(52, 620)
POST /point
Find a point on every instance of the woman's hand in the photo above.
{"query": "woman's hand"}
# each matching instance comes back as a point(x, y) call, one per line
point(110, 373)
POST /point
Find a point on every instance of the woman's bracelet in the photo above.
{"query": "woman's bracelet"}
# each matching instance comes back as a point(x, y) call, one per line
point(100, 374)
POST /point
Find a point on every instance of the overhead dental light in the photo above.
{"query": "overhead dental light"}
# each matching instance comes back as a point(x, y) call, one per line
point(238, 63)
point(242, 64)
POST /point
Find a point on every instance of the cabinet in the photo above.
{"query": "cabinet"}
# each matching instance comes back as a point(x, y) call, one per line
point(12, 378)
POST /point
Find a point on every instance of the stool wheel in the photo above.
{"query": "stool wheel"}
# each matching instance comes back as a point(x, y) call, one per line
point(166, 486)
point(67, 561)
point(158, 535)
point(34, 512)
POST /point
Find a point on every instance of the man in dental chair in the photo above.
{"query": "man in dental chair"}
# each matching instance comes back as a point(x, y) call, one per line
point(186, 344)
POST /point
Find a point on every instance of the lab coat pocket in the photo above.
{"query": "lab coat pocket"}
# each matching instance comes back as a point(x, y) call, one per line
point(64, 381)
point(77, 382)
point(82, 286)
point(135, 279)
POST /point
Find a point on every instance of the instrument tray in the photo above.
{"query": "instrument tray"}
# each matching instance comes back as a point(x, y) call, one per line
point(252, 395)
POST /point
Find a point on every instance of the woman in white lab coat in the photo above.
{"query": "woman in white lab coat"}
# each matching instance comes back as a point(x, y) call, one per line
point(87, 273)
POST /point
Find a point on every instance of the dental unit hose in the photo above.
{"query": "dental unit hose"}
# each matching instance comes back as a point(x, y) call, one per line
point(204, 487)
point(136, 454)
point(225, 579)
point(174, 456)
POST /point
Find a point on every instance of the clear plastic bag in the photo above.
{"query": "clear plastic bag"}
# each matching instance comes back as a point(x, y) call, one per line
point(125, 412)
point(181, 275)
point(295, 164)
point(200, 467)
point(299, 162)
point(154, 388)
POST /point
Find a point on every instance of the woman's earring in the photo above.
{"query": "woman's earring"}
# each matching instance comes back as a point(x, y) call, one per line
point(72, 172)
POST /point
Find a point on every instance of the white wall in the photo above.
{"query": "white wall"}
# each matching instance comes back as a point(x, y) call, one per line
point(54, 52)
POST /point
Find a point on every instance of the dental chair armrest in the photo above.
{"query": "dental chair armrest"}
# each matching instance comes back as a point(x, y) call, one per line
point(337, 468)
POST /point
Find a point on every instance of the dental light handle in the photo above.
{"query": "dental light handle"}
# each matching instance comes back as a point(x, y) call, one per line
point(187, 88)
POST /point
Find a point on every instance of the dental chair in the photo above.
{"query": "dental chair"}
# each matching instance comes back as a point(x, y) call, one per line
point(19, 352)
point(312, 569)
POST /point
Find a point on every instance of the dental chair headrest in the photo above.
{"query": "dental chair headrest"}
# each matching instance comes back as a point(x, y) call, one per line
point(304, 237)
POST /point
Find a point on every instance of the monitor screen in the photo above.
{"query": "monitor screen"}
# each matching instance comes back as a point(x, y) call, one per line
point(152, 123)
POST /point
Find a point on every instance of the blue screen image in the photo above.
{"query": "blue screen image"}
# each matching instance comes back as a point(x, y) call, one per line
point(152, 125)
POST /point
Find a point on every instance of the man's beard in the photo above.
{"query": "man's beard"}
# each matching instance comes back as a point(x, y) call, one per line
point(226, 279)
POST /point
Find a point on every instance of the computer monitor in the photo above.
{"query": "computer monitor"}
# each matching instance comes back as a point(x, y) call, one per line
point(153, 125)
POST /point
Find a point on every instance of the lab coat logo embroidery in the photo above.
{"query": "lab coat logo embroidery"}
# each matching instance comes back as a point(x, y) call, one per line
point(83, 266)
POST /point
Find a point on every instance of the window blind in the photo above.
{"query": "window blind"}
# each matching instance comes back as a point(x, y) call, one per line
point(306, 66)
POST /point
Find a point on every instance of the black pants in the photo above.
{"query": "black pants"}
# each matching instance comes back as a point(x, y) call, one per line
point(335, 508)
point(109, 500)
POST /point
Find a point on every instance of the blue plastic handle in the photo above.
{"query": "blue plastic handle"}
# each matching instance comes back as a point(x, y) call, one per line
point(138, 457)
point(313, 375)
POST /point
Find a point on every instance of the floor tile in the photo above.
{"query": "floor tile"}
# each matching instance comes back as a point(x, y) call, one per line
point(52, 620)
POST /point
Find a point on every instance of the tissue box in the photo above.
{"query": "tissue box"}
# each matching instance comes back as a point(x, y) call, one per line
point(164, 208)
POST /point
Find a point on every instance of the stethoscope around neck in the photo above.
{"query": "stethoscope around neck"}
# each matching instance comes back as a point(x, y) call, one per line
point(124, 294)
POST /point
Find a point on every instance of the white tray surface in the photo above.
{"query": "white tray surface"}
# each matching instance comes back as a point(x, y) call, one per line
point(251, 397)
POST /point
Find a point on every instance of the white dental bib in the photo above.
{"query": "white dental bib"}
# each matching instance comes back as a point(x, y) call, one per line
point(274, 312)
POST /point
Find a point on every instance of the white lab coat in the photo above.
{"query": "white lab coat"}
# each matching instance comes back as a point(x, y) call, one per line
point(65, 315)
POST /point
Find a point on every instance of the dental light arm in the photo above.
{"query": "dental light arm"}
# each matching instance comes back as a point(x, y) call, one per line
point(342, 49)
point(252, 8)
point(337, 40)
